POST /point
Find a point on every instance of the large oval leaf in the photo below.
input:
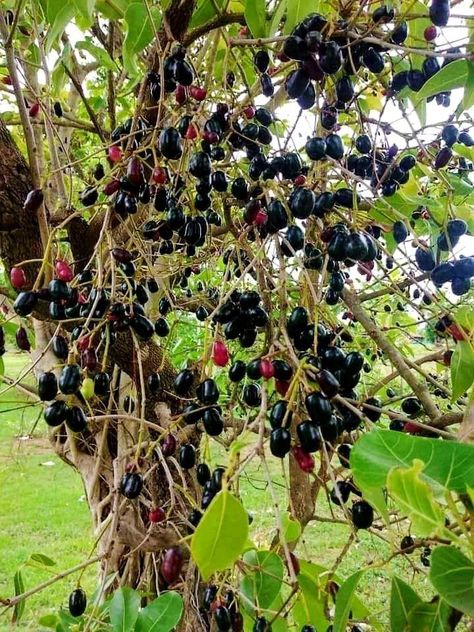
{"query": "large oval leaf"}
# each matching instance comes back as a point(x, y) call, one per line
point(402, 599)
point(124, 609)
point(262, 584)
point(448, 464)
point(220, 536)
point(452, 574)
point(162, 614)
point(462, 368)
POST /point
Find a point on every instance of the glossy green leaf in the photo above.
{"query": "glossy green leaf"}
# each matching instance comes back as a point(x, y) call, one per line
point(344, 601)
point(462, 368)
point(205, 11)
point(296, 11)
point(402, 599)
point(220, 537)
point(139, 33)
point(452, 575)
point(276, 18)
point(2, 366)
point(430, 617)
point(42, 559)
point(124, 609)
point(452, 76)
point(162, 614)
point(448, 464)
point(415, 499)
point(59, 15)
point(255, 17)
point(19, 587)
point(263, 580)
point(309, 607)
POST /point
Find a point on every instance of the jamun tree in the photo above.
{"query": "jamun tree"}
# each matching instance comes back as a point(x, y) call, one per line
point(235, 239)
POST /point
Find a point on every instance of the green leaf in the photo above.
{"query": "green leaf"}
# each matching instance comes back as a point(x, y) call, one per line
point(416, 27)
point(296, 11)
point(161, 615)
point(449, 464)
point(124, 609)
point(462, 368)
point(430, 617)
point(85, 8)
point(344, 600)
point(255, 17)
point(415, 498)
point(262, 584)
point(59, 16)
point(114, 12)
point(2, 366)
point(468, 98)
point(98, 53)
point(277, 16)
point(205, 11)
point(139, 33)
point(220, 536)
point(402, 599)
point(464, 317)
point(452, 76)
point(19, 587)
point(309, 607)
point(48, 621)
point(452, 575)
point(291, 528)
point(42, 559)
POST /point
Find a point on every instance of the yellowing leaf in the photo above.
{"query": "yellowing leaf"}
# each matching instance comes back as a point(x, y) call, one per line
point(415, 499)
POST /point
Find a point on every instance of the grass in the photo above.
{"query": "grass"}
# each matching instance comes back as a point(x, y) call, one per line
point(43, 510)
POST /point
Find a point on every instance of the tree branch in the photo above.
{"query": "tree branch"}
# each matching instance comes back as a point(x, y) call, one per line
point(216, 23)
point(419, 388)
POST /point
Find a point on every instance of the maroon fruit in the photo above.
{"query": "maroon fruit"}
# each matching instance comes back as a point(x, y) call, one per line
point(171, 565)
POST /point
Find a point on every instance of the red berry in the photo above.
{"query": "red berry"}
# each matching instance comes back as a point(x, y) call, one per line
point(198, 94)
point(171, 565)
point(168, 445)
point(7, 80)
point(156, 515)
point(300, 180)
point(220, 353)
point(180, 94)
point(159, 175)
point(431, 33)
point(83, 342)
point(243, 31)
point(282, 387)
point(191, 132)
point(267, 370)
point(411, 428)
point(63, 271)
point(249, 112)
point(304, 459)
point(111, 187)
point(211, 137)
point(261, 218)
point(115, 154)
point(456, 333)
point(17, 278)
point(447, 355)
point(34, 110)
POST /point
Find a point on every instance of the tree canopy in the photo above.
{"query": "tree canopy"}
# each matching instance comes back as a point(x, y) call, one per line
point(236, 241)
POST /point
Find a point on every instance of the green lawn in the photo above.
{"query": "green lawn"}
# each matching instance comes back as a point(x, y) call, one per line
point(43, 510)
